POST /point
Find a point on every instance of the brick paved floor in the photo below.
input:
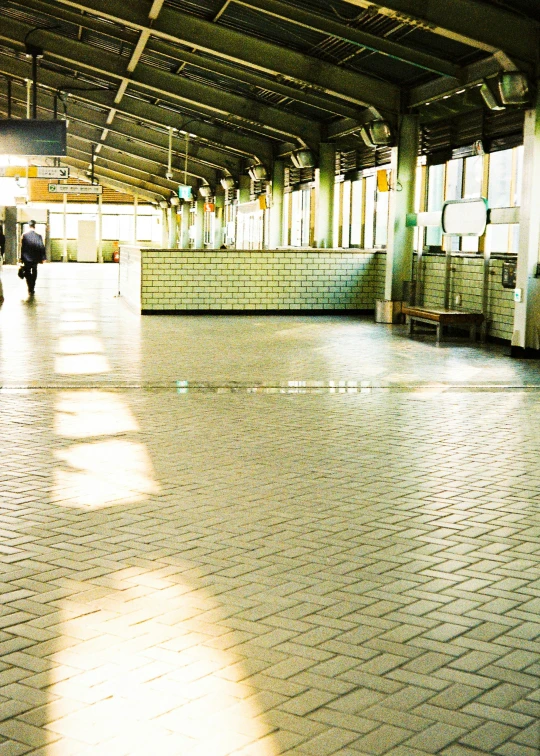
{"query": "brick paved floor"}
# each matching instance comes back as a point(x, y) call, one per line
point(261, 536)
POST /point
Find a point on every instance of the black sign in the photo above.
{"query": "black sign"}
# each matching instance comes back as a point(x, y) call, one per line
point(29, 138)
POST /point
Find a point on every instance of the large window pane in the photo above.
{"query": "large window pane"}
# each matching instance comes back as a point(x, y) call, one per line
point(356, 214)
point(497, 238)
point(454, 179)
point(336, 230)
point(500, 178)
point(126, 227)
point(474, 173)
point(346, 223)
point(110, 227)
point(144, 228)
point(381, 219)
point(518, 175)
point(435, 201)
point(369, 241)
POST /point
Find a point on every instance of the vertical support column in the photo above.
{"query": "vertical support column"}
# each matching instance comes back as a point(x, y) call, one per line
point(325, 197)
point(28, 97)
point(184, 228)
point(199, 224)
point(164, 228)
point(65, 249)
point(10, 230)
point(100, 229)
point(244, 189)
point(172, 228)
point(276, 211)
point(400, 246)
point(135, 214)
point(526, 334)
point(219, 222)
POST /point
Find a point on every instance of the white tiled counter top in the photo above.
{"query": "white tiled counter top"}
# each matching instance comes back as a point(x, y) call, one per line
point(183, 280)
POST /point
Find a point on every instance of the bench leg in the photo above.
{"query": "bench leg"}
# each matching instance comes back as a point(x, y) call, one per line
point(410, 330)
point(472, 334)
point(439, 334)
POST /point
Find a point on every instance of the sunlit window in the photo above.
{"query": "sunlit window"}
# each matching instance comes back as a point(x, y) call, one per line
point(369, 232)
point(356, 214)
point(500, 179)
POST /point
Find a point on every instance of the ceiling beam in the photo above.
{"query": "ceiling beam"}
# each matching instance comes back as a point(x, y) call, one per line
point(102, 173)
point(478, 25)
point(205, 63)
point(471, 76)
point(223, 138)
point(199, 163)
point(118, 161)
point(202, 97)
point(245, 50)
point(80, 134)
point(118, 186)
point(318, 23)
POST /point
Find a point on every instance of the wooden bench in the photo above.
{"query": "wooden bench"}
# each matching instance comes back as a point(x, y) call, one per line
point(442, 318)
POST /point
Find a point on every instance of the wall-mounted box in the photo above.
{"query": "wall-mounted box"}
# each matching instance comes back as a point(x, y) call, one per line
point(508, 278)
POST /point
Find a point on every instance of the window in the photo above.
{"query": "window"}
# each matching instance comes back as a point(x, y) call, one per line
point(474, 174)
point(381, 218)
point(500, 179)
point(369, 228)
point(356, 213)
point(110, 227)
point(435, 199)
point(346, 214)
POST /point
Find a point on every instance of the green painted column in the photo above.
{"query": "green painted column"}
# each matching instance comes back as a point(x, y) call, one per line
point(173, 228)
point(244, 189)
point(325, 196)
point(276, 211)
point(400, 245)
point(219, 221)
point(184, 225)
point(526, 335)
point(199, 224)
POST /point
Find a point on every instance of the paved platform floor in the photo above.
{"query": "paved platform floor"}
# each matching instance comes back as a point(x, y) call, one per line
point(261, 535)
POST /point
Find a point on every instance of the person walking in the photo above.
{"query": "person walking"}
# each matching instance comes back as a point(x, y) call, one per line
point(2, 243)
point(32, 253)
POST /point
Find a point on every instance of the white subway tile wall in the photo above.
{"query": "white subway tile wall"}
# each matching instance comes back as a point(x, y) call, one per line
point(466, 280)
point(261, 280)
point(183, 280)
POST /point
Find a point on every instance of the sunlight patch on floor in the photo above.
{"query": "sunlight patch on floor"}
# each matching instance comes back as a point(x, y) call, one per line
point(144, 673)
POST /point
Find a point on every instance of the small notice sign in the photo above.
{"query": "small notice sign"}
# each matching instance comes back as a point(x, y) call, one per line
point(75, 189)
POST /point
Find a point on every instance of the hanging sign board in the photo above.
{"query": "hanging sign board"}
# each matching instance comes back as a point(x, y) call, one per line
point(46, 171)
point(185, 191)
point(34, 171)
point(30, 137)
point(466, 217)
point(75, 189)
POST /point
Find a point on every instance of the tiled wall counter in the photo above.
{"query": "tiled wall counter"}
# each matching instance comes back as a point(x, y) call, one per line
point(466, 280)
point(180, 280)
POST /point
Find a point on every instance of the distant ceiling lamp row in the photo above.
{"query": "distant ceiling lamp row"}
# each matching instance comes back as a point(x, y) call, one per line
point(507, 89)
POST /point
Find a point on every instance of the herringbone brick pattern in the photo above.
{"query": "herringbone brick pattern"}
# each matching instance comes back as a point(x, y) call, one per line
point(220, 571)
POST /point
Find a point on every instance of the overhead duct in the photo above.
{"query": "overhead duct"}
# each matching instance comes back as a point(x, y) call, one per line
point(513, 88)
point(377, 134)
point(228, 182)
point(303, 158)
point(257, 172)
point(509, 88)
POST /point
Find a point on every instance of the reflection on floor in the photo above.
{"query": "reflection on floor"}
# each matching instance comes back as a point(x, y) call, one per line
point(261, 536)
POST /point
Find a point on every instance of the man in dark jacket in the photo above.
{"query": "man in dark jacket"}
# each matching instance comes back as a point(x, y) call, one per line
point(32, 253)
